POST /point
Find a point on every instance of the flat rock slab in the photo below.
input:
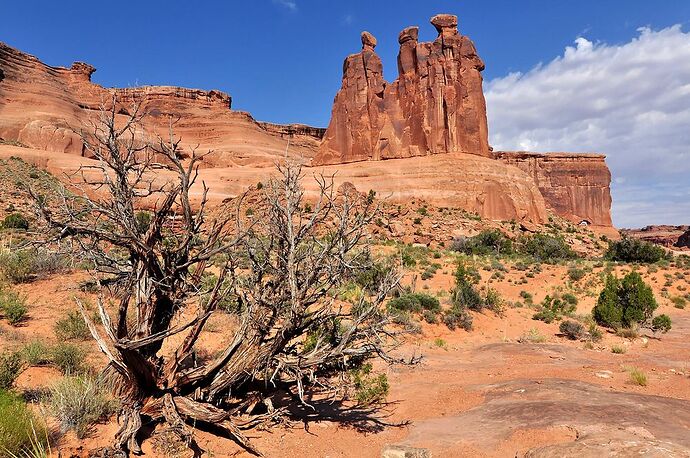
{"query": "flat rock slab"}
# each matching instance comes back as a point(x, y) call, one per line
point(657, 423)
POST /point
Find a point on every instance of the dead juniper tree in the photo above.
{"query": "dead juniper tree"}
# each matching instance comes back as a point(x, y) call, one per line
point(279, 268)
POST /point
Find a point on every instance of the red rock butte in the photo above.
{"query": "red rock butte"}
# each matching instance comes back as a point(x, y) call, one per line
point(429, 126)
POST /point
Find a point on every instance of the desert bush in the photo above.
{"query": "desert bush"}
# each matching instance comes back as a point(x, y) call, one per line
point(72, 327)
point(21, 432)
point(679, 302)
point(415, 302)
point(69, 358)
point(571, 329)
point(576, 273)
point(15, 221)
point(491, 241)
point(546, 248)
point(143, 220)
point(493, 300)
point(24, 265)
point(618, 349)
point(457, 317)
point(595, 334)
point(625, 303)
point(78, 402)
point(629, 249)
point(10, 368)
point(532, 336)
point(661, 323)
point(13, 307)
point(36, 353)
point(553, 308)
point(637, 376)
point(465, 294)
point(369, 388)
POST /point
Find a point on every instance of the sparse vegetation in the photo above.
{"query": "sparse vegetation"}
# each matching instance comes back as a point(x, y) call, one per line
point(24, 265)
point(546, 248)
point(618, 349)
point(571, 329)
point(78, 402)
point(72, 327)
point(629, 249)
point(369, 388)
point(13, 307)
point(69, 358)
point(10, 368)
point(15, 221)
point(554, 308)
point(21, 432)
point(532, 336)
point(36, 353)
point(637, 376)
point(486, 242)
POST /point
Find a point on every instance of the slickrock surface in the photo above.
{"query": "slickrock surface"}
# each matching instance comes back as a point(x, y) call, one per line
point(436, 105)
point(575, 186)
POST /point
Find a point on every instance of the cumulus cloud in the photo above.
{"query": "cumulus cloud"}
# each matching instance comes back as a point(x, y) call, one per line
point(292, 6)
point(629, 101)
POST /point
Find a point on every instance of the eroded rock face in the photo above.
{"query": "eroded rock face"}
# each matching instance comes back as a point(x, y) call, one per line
point(436, 105)
point(575, 186)
point(42, 107)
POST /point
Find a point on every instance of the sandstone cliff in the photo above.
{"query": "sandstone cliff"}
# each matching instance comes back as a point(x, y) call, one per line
point(42, 107)
point(575, 186)
point(436, 105)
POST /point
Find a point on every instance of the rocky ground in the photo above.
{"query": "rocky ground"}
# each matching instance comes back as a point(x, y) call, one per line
point(511, 386)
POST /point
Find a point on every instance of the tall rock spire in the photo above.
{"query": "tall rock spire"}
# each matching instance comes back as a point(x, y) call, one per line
point(436, 105)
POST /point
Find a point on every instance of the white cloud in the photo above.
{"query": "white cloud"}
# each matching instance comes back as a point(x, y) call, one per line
point(630, 102)
point(292, 6)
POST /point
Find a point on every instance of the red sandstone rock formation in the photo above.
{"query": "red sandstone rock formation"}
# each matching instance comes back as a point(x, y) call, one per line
point(664, 235)
point(42, 106)
point(435, 106)
point(575, 186)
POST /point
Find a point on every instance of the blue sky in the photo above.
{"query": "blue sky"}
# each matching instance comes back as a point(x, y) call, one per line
point(281, 60)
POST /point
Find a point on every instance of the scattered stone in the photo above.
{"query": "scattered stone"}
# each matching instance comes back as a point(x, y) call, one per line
point(404, 451)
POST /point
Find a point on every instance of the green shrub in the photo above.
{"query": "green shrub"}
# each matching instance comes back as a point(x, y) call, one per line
point(143, 221)
point(10, 368)
point(595, 334)
point(36, 353)
point(21, 266)
point(72, 327)
point(465, 294)
point(69, 358)
point(15, 221)
point(369, 388)
point(661, 323)
point(415, 302)
point(553, 308)
point(679, 302)
point(457, 317)
point(13, 307)
point(486, 242)
point(78, 402)
point(575, 273)
point(546, 248)
point(635, 250)
point(628, 302)
point(571, 329)
point(21, 432)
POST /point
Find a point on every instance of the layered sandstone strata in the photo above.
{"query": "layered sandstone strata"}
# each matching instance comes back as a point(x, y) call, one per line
point(436, 105)
point(43, 107)
point(575, 186)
